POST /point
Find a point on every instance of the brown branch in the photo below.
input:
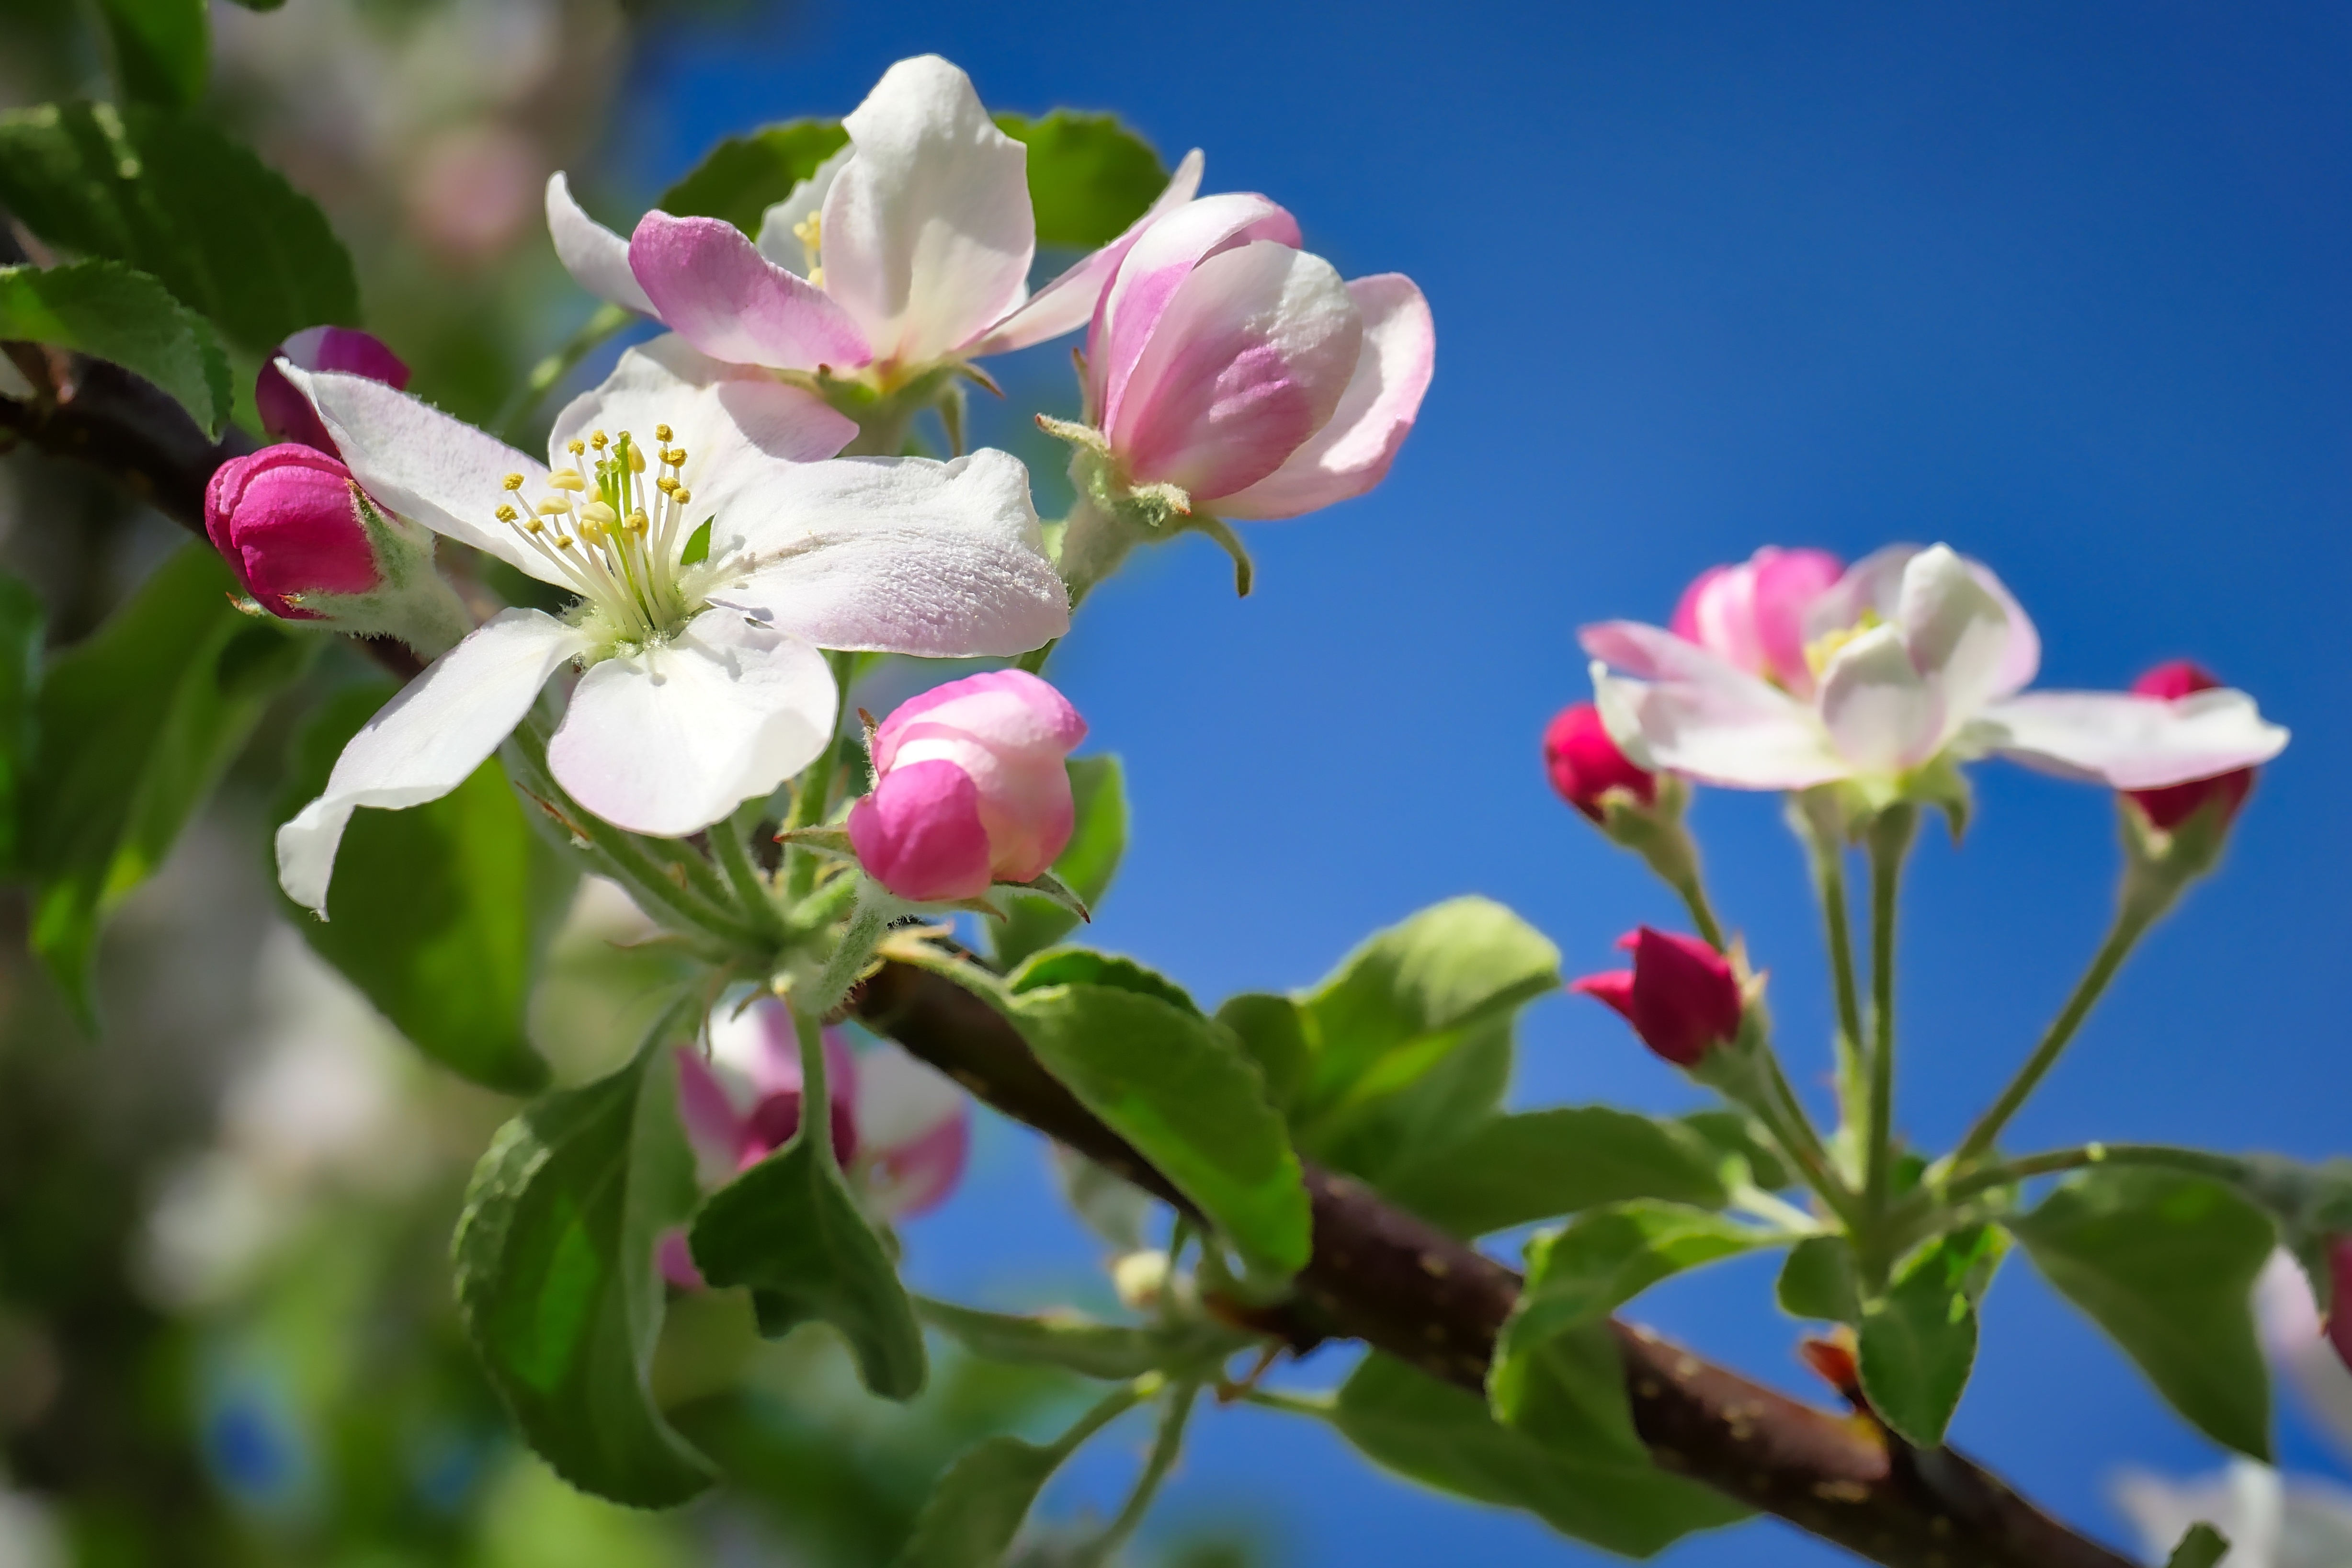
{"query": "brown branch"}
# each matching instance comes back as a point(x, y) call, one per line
point(1382, 1276)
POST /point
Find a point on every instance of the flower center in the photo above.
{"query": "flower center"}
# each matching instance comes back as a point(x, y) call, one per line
point(1826, 646)
point(622, 543)
point(809, 232)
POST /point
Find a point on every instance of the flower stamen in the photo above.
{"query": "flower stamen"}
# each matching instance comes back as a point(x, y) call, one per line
point(614, 538)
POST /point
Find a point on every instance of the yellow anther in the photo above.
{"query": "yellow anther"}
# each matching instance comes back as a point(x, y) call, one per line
point(512, 481)
point(681, 495)
point(599, 440)
point(506, 515)
point(554, 506)
point(809, 232)
point(816, 277)
point(666, 483)
point(675, 456)
point(575, 446)
point(532, 525)
point(661, 432)
point(599, 514)
point(636, 460)
point(564, 541)
point(567, 479)
point(1825, 647)
point(640, 524)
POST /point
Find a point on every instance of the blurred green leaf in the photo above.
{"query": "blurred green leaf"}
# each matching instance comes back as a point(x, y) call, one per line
point(557, 1279)
point(1444, 1436)
point(172, 196)
point(743, 176)
point(1600, 1260)
point(24, 621)
point(2165, 1263)
point(441, 913)
point(1736, 1133)
point(1919, 1340)
point(163, 49)
point(1083, 966)
point(1274, 1033)
point(1085, 865)
point(2202, 1547)
point(1818, 1282)
point(1379, 1136)
point(1090, 176)
point(1073, 1343)
point(789, 1228)
point(1537, 1164)
point(976, 1510)
point(1177, 1086)
point(114, 313)
point(136, 727)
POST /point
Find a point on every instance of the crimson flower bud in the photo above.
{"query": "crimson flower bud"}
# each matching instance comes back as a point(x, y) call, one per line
point(2169, 807)
point(287, 520)
point(1681, 995)
point(1585, 763)
point(286, 413)
point(2339, 1311)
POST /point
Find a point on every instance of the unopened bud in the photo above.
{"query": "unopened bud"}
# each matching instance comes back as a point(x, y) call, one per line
point(285, 413)
point(2339, 1309)
point(2173, 804)
point(1585, 765)
point(1681, 996)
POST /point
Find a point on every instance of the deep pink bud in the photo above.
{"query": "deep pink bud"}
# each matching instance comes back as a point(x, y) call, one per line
point(286, 413)
point(286, 519)
point(970, 787)
point(2173, 804)
point(2339, 1312)
point(1752, 615)
point(1585, 763)
point(1681, 995)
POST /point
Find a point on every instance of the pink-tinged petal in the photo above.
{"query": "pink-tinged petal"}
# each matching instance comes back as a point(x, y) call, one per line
point(715, 291)
point(1954, 631)
point(918, 834)
point(598, 259)
point(1249, 360)
point(2131, 743)
point(1874, 586)
point(1714, 734)
point(754, 1051)
point(1718, 612)
point(668, 739)
point(286, 413)
point(1352, 452)
point(2294, 1339)
point(1787, 584)
point(1016, 710)
point(1881, 714)
point(1068, 302)
point(676, 1261)
point(901, 1101)
point(918, 1177)
point(1156, 264)
point(715, 1126)
point(928, 230)
point(1612, 986)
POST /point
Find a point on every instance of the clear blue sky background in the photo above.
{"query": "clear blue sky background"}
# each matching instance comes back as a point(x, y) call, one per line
point(2065, 286)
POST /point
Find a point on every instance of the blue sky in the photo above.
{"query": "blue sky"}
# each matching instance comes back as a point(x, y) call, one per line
point(2064, 286)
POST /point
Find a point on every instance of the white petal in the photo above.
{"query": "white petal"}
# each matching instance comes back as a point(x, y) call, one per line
point(423, 464)
point(1068, 302)
point(928, 230)
point(673, 738)
point(738, 423)
point(428, 740)
point(1881, 715)
point(900, 555)
point(2244, 1503)
point(2127, 741)
point(779, 239)
point(1956, 632)
point(1702, 717)
point(598, 259)
point(1155, 267)
point(899, 1099)
point(1874, 586)
point(2293, 1339)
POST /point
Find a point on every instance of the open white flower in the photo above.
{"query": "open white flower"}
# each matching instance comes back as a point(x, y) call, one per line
point(1917, 656)
point(715, 549)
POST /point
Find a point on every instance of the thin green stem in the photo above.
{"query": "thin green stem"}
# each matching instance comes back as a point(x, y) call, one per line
point(1319, 1406)
point(1112, 1405)
point(1801, 1142)
point(813, 796)
point(606, 321)
point(751, 888)
point(816, 1094)
point(1890, 837)
point(2196, 1161)
point(1165, 1447)
point(1702, 913)
point(1829, 878)
point(849, 960)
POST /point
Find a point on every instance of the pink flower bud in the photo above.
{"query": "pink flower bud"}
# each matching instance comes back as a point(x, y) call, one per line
point(1681, 995)
point(286, 519)
point(2339, 1313)
point(969, 787)
point(2173, 804)
point(286, 413)
point(1585, 763)
point(1752, 615)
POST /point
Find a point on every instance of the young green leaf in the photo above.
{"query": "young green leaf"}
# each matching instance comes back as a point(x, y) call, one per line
point(1604, 1258)
point(743, 176)
point(1818, 1282)
point(136, 726)
point(1090, 176)
point(1919, 1340)
point(2165, 1264)
point(972, 1515)
point(1085, 865)
point(1444, 1436)
point(163, 49)
point(1177, 1086)
point(789, 1228)
point(110, 312)
point(440, 914)
point(1510, 1170)
point(1271, 1030)
point(557, 1281)
point(169, 195)
point(1734, 1132)
point(2202, 1547)
point(1110, 1350)
point(23, 622)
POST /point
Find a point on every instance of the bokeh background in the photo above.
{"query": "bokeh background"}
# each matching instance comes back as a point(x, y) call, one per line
point(2065, 287)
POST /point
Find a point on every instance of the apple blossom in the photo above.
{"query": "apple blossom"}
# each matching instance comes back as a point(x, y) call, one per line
point(286, 413)
point(1752, 615)
point(1585, 763)
point(908, 249)
point(2173, 804)
point(711, 564)
point(970, 787)
point(1681, 995)
point(1917, 656)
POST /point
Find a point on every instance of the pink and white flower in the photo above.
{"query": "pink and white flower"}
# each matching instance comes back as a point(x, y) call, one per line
point(909, 247)
point(715, 550)
point(1752, 615)
point(1915, 657)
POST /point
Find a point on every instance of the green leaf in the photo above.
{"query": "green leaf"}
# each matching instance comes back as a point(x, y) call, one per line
point(557, 1282)
point(1097, 839)
point(1514, 1169)
point(697, 544)
point(440, 913)
point(1271, 1030)
point(1403, 1002)
point(163, 49)
point(1083, 966)
point(972, 1515)
point(1919, 1340)
point(2165, 1262)
point(790, 1229)
point(22, 625)
point(172, 196)
point(110, 312)
point(743, 176)
point(1177, 1086)
point(1600, 1260)
point(1090, 176)
point(2202, 1547)
point(1444, 1436)
point(1818, 1282)
point(136, 726)
point(1733, 1132)
point(1075, 1344)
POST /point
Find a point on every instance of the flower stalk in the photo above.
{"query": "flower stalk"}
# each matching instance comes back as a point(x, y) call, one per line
point(1889, 836)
